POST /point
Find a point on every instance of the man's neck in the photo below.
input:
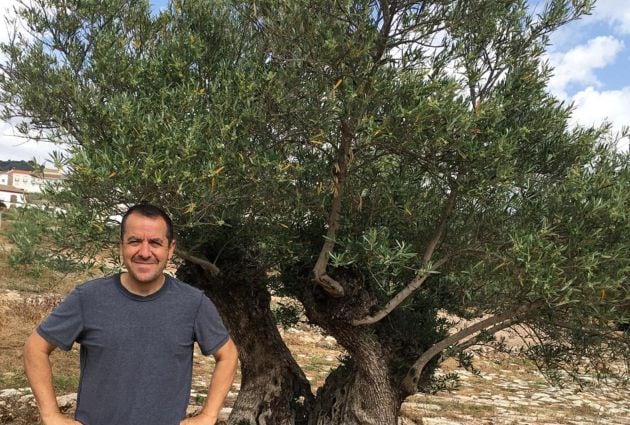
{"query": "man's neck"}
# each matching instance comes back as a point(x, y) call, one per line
point(138, 288)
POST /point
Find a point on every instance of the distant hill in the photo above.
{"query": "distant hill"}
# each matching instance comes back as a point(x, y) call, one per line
point(17, 165)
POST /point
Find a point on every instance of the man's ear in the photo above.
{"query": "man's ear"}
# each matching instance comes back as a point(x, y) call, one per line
point(171, 249)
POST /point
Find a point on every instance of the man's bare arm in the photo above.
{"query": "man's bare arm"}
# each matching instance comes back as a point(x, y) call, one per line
point(39, 373)
point(224, 371)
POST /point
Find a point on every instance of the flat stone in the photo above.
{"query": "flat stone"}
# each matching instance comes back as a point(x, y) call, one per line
point(406, 421)
point(192, 410)
point(10, 393)
point(224, 414)
point(26, 398)
point(428, 406)
point(439, 421)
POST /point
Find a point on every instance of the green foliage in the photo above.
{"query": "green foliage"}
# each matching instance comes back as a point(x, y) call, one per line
point(443, 382)
point(388, 264)
point(287, 315)
point(17, 165)
point(36, 237)
point(27, 239)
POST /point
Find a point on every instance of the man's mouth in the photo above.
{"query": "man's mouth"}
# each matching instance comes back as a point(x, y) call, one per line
point(146, 263)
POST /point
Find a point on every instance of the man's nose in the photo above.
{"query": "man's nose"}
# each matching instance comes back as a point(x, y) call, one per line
point(144, 250)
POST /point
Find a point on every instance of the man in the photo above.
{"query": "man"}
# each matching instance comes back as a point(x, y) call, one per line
point(136, 330)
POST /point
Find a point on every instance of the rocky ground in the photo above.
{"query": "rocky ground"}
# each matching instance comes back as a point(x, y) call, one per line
point(508, 391)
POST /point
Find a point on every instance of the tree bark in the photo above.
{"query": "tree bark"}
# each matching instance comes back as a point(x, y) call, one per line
point(357, 394)
point(274, 390)
point(362, 390)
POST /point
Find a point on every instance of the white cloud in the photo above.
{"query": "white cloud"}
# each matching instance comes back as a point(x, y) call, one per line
point(6, 12)
point(577, 65)
point(14, 146)
point(592, 107)
point(26, 150)
point(614, 12)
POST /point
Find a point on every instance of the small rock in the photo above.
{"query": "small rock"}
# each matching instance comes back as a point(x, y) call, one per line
point(225, 413)
point(406, 421)
point(67, 402)
point(26, 398)
point(192, 410)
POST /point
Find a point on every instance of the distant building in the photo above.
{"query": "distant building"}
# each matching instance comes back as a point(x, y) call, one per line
point(11, 196)
point(32, 181)
point(15, 185)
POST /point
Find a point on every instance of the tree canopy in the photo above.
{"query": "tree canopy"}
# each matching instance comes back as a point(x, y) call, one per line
point(380, 161)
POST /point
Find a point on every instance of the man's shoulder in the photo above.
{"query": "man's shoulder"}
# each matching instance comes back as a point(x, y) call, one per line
point(98, 285)
point(183, 289)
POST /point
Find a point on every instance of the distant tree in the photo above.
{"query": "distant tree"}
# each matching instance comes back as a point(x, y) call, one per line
point(15, 165)
point(381, 162)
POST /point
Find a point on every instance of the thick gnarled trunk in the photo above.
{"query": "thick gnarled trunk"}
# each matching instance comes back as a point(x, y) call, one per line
point(363, 390)
point(274, 390)
point(353, 396)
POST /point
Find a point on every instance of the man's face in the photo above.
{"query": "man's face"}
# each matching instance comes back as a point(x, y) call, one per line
point(144, 249)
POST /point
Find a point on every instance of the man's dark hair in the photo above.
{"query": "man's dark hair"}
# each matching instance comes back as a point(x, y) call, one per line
point(148, 210)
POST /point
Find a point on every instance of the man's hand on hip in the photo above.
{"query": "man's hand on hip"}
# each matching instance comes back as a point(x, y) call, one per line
point(59, 419)
point(200, 419)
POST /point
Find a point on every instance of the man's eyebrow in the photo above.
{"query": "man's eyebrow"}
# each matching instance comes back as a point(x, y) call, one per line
point(136, 238)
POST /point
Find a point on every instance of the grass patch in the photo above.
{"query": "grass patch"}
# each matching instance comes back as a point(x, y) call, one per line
point(454, 409)
point(66, 383)
point(13, 380)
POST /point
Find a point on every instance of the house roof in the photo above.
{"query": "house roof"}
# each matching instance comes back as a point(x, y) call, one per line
point(51, 173)
point(14, 171)
point(12, 189)
point(47, 173)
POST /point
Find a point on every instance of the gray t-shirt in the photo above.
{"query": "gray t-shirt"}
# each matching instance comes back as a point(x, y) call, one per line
point(136, 352)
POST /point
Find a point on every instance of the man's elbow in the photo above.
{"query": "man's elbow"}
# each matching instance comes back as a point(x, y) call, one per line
point(30, 346)
point(36, 346)
point(233, 351)
point(228, 353)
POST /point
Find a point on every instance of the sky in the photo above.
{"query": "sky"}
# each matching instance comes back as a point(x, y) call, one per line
point(591, 58)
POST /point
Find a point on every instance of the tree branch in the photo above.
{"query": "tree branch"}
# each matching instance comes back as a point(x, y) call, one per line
point(411, 380)
point(418, 281)
point(437, 237)
point(475, 340)
point(401, 296)
point(330, 285)
point(384, 32)
point(204, 264)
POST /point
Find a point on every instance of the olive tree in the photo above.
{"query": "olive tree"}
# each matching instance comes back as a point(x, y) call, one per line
point(382, 162)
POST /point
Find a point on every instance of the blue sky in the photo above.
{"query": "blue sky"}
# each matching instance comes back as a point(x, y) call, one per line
point(591, 58)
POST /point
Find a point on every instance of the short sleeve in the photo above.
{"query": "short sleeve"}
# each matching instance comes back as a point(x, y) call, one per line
point(210, 333)
point(63, 326)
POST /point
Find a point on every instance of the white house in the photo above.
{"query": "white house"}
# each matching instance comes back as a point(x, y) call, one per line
point(15, 185)
point(11, 196)
point(30, 181)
